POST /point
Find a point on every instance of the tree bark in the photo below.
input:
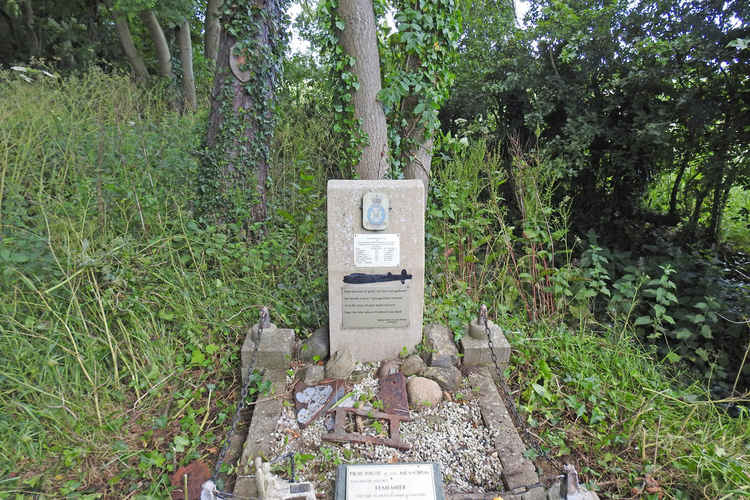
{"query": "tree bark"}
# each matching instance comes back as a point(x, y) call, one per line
point(420, 161)
point(676, 187)
point(186, 56)
point(693, 224)
point(212, 30)
point(240, 127)
point(419, 156)
point(28, 20)
point(160, 42)
point(359, 40)
point(126, 40)
point(11, 27)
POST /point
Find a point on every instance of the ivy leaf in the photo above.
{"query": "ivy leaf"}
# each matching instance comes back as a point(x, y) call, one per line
point(542, 391)
point(180, 443)
point(672, 357)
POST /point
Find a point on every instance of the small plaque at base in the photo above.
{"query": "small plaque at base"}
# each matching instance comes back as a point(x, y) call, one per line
point(392, 481)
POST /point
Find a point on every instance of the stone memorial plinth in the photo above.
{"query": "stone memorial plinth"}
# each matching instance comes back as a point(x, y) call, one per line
point(375, 228)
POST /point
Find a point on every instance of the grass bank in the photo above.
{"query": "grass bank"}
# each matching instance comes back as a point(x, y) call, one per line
point(121, 316)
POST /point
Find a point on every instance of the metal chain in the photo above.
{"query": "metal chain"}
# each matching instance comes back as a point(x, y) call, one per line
point(240, 406)
point(511, 406)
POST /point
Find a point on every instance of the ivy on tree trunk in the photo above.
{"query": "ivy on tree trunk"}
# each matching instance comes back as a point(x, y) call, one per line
point(234, 169)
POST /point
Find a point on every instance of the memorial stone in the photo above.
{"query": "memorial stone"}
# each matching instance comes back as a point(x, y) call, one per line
point(375, 266)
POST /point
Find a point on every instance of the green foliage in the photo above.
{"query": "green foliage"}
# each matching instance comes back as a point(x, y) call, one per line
point(618, 92)
point(418, 58)
point(735, 227)
point(672, 300)
point(477, 253)
point(348, 131)
point(461, 254)
point(602, 397)
point(67, 36)
point(416, 62)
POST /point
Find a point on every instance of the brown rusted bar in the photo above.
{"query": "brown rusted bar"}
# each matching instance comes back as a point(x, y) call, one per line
point(340, 435)
point(392, 393)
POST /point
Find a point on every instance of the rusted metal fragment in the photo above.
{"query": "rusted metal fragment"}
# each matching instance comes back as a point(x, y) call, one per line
point(340, 435)
point(392, 392)
point(197, 472)
point(311, 401)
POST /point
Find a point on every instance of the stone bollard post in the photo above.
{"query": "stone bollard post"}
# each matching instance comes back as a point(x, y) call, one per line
point(476, 347)
point(269, 348)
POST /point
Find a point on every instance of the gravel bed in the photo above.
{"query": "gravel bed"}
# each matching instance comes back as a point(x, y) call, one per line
point(451, 434)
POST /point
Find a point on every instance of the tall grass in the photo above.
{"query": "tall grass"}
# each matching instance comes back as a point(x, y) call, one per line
point(117, 308)
point(598, 400)
point(94, 171)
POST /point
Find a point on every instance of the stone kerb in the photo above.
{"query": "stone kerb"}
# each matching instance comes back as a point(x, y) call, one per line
point(273, 357)
point(274, 352)
point(519, 474)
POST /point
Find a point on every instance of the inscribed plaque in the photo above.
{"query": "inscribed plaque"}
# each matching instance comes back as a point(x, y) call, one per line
point(375, 305)
point(393, 481)
point(377, 250)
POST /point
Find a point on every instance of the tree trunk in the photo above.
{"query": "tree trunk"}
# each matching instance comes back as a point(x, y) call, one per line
point(713, 225)
point(213, 29)
point(240, 123)
point(419, 156)
point(14, 41)
point(186, 56)
point(693, 224)
point(420, 161)
point(160, 42)
point(676, 188)
point(126, 40)
point(359, 40)
point(721, 196)
point(28, 20)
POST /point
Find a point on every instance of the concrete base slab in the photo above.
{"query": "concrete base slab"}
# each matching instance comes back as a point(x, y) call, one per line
point(477, 351)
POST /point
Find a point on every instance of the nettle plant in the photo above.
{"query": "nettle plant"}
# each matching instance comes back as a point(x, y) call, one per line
point(657, 298)
point(416, 60)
